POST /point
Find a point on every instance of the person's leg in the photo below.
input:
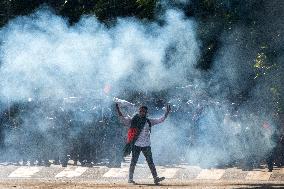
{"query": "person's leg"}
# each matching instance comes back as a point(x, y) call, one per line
point(135, 155)
point(148, 155)
point(269, 161)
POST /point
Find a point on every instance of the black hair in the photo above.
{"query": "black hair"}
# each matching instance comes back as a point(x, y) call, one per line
point(144, 107)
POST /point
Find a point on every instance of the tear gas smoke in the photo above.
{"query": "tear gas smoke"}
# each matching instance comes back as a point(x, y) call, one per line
point(66, 67)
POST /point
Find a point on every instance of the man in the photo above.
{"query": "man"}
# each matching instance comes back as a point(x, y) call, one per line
point(139, 139)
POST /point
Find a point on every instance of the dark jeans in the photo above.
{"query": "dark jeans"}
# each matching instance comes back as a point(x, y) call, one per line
point(148, 155)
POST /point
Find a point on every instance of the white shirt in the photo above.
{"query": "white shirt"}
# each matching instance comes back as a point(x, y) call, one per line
point(143, 139)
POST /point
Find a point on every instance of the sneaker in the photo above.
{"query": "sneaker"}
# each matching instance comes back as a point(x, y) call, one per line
point(158, 179)
point(130, 181)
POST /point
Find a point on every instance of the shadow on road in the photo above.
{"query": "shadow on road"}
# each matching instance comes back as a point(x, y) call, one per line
point(256, 186)
point(235, 186)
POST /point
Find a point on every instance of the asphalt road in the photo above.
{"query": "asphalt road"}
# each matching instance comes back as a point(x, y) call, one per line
point(86, 184)
point(179, 176)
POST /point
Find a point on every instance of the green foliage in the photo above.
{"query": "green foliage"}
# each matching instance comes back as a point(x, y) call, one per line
point(110, 9)
point(73, 9)
point(146, 8)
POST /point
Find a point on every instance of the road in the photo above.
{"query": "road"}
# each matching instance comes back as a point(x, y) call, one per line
point(179, 176)
point(86, 184)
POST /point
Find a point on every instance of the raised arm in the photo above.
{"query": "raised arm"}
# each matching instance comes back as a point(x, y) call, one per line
point(118, 109)
point(126, 120)
point(161, 119)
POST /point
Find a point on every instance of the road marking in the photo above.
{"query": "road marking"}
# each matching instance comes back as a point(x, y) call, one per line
point(72, 172)
point(169, 172)
point(258, 175)
point(25, 172)
point(117, 172)
point(211, 174)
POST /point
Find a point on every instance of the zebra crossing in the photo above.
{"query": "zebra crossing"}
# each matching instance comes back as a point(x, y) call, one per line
point(141, 172)
point(25, 172)
point(214, 174)
point(71, 171)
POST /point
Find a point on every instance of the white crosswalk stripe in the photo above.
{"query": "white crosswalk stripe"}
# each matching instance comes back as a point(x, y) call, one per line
point(142, 172)
point(258, 175)
point(25, 172)
point(71, 172)
point(117, 172)
point(210, 174)
point(169, 172)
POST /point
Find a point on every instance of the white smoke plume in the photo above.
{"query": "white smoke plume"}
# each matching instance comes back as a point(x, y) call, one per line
point(78, 68)
point(44, 58)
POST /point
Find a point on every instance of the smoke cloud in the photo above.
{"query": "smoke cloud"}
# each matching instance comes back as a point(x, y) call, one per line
point(227, 116)
point(81, 67)
point(43, 56)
